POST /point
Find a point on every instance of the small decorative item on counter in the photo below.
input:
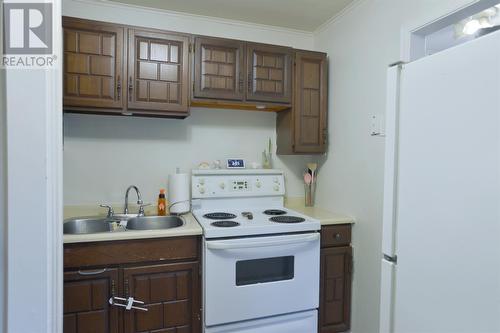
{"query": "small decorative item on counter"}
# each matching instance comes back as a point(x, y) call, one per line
point(162, 203)
point(310, 177)
point(217, 164)
point(204, 166)
point(266, 156)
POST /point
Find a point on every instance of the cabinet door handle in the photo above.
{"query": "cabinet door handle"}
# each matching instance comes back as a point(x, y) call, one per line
point(119, 87)
point(338, 236)
point(93, 272)
point(130, 88)
point(250, 82)
point(241, 82)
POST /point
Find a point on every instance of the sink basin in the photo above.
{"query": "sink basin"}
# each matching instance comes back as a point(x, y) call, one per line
point(87, 225)
point(154, 222)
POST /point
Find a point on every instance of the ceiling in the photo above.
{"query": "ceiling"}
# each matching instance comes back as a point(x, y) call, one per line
point(305, 15)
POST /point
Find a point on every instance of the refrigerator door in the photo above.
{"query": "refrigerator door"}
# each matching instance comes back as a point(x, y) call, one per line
point(391, 161)
point(448, 208)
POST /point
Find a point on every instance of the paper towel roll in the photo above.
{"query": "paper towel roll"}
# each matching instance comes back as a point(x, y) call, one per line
point(179, 193)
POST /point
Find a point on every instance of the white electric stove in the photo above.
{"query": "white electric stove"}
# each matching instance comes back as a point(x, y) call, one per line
point(261, 260)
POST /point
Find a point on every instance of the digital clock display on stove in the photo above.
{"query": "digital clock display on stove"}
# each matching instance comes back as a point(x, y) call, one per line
point(235, 163)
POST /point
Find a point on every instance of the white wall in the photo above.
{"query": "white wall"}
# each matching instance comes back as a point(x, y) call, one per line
point(103, 155)
point(361, 44)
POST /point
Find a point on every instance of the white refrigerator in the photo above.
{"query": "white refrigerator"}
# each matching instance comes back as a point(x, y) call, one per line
point(441, 235)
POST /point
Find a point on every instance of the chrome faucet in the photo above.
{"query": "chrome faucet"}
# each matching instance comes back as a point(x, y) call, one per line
point(139, 200)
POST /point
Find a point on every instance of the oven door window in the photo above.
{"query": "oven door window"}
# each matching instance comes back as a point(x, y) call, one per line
point(264, 270)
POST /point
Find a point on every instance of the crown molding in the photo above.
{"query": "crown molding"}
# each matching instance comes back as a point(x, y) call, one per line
point(211, 19)
point(349, 8)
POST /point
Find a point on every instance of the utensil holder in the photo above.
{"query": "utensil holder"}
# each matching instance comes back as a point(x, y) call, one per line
point(309, 196)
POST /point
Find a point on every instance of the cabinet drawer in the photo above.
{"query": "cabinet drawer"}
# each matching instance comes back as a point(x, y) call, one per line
point(130, 251)
point(336, 235)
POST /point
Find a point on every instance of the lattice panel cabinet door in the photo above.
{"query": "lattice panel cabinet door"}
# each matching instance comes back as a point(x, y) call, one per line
point(93, 64)
point(218, 68)
point(335, 289)
point(171, 294)
point(310, 106)
point(158, 71)
point(269, 73)
point(86, 296)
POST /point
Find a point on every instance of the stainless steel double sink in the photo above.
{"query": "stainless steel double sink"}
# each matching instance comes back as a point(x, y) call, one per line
point(92, 225)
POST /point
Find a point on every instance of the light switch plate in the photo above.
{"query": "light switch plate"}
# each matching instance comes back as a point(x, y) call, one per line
point(377, 125)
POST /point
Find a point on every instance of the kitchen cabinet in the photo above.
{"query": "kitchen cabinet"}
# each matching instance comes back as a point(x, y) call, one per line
point(241, 75)
point(168, 292)
point(303, 128)
point(93, 64)
point(219, 69)
point(158, 71)
point(269, 73)
point(162, 273)
point(335, 279)
point(117, 69)
point(86, 295)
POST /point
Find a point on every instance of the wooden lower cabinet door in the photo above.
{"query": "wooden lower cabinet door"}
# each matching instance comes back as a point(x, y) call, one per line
point(86, 307)
point(171, 294)
point(335, 289)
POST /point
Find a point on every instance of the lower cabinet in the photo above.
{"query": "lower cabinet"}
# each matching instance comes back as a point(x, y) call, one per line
point(167, 290)
point(86, 295)
point(335, 279)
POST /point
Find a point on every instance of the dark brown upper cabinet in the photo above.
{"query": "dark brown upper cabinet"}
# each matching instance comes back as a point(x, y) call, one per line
point(269, 73)
point(219, 69)
point(303, 128)
point(93, 64)
point(158, 71)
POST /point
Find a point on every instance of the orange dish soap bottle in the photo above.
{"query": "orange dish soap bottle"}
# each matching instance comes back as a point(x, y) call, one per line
point(162, 203)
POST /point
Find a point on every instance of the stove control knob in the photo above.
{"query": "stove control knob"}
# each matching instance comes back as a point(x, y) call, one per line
point(258, 184)
point(201, 181)
point(202, 190)
point(276, 180)
point(276, 188)
point(222, 185)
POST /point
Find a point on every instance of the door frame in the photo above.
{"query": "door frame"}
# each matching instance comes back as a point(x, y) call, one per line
point(412, 45)
point(34, 201)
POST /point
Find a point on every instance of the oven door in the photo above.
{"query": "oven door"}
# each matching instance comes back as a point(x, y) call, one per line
point(250, 278)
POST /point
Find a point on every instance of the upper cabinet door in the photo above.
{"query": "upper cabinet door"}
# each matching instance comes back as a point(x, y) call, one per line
point(218, 68)
point(93, 64)
point(158, 71)
point(269, 73)
point(310, 105)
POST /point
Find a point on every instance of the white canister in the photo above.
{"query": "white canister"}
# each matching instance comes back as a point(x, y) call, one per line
point(179, 193)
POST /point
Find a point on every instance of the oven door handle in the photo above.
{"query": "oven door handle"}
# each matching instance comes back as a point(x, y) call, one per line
point(222, 245)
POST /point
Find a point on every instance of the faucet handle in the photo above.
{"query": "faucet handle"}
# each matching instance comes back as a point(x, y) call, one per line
point(141, 209)
point(111, 212)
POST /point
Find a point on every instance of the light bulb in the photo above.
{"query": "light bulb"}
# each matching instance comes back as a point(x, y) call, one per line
point(472, 27)
point(484, 22)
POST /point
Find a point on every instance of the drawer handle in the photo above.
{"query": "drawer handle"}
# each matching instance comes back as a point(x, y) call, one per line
point(338, 236)
point(94, 272)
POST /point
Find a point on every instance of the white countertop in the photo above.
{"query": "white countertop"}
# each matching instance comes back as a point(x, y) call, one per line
point(190, 228)
point(324, 216)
